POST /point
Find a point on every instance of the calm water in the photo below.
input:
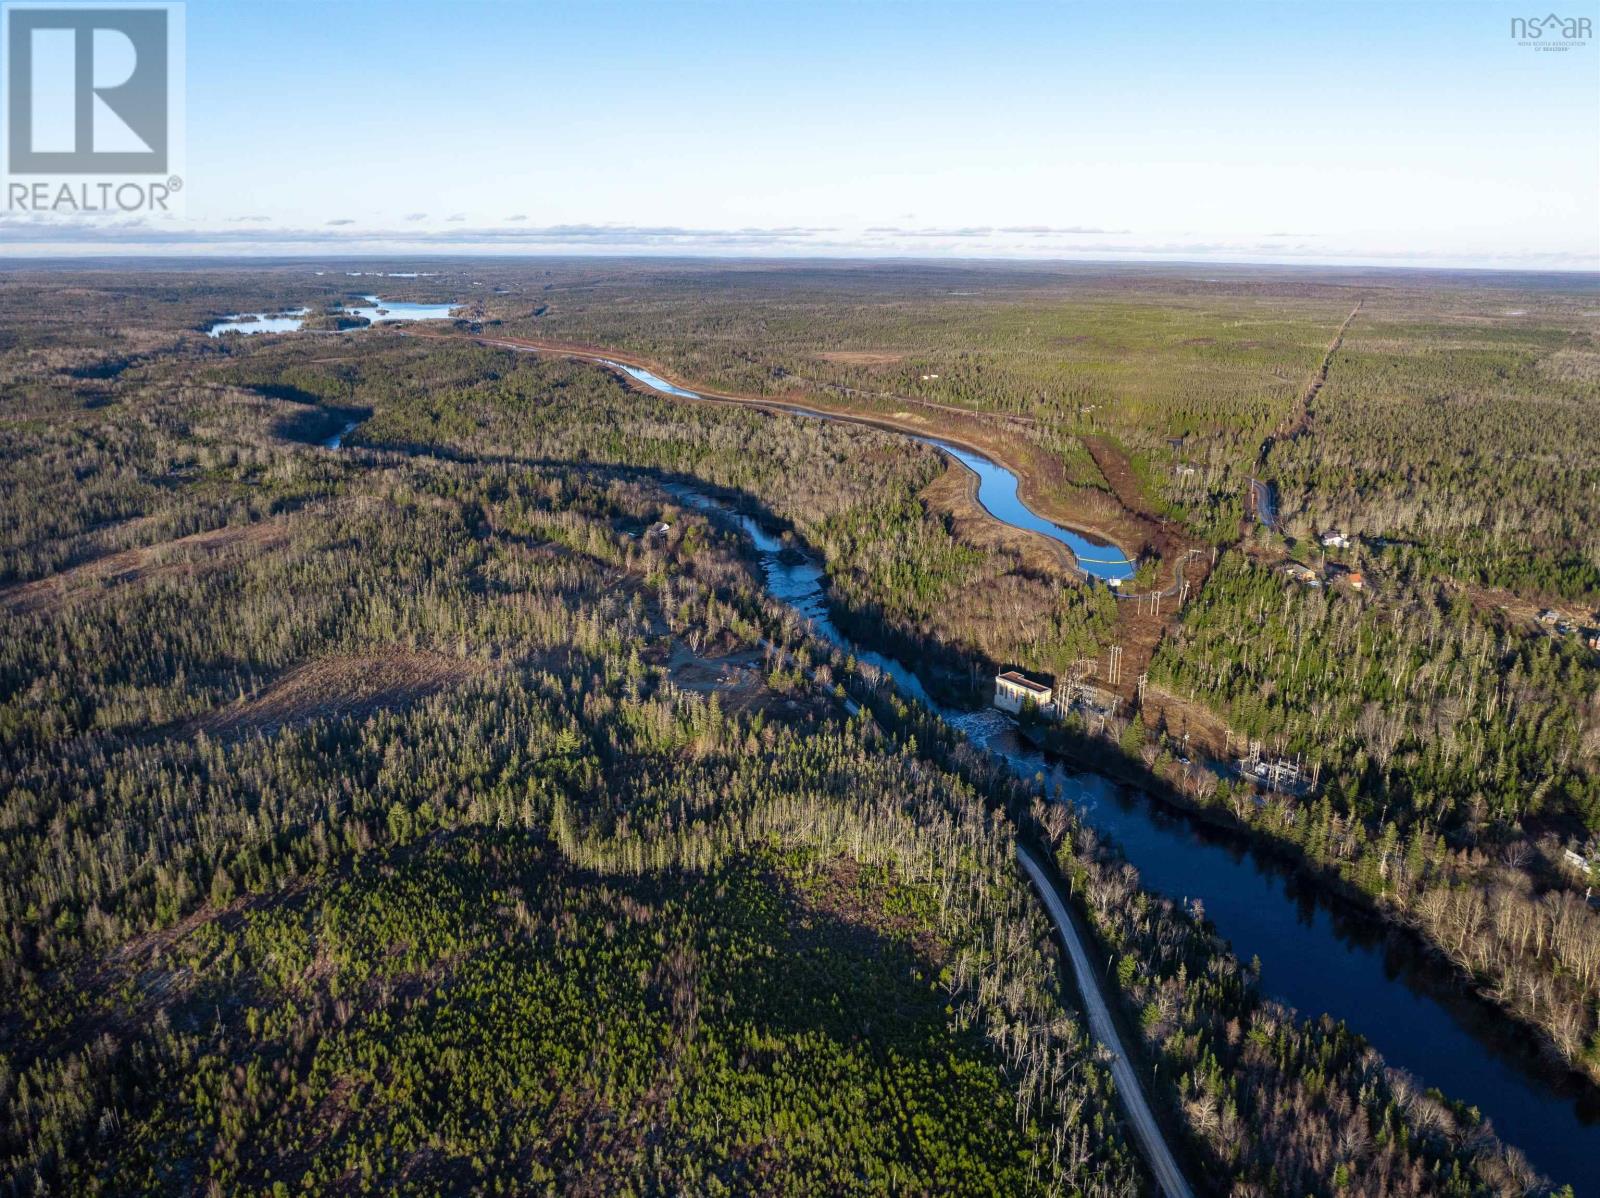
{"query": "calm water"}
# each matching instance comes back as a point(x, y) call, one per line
point(250, 323)
point(638, 374)
point(376, 310)
point(386, 311)
point(1316, 956)
point(997, 490)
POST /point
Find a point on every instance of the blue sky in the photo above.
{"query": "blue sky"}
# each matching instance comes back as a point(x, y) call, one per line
point(1316, 132)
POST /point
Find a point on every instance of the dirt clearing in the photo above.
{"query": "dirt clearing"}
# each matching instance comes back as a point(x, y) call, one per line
point(148, 561)
point(860, 357)
point(1206, 730)
point(334, 687)
point(737, 678)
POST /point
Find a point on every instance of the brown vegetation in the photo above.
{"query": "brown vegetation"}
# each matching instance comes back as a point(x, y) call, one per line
point(337, 687)
point(954, 494)
point(1043, 482)
point(860, 357)
point(186, 555)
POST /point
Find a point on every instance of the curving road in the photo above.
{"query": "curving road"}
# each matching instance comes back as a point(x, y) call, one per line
point(1154, 1148)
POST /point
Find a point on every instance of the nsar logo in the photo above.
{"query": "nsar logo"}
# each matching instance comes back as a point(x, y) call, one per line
point(1551, 32)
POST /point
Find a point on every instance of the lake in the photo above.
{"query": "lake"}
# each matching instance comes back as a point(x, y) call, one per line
point(250, 323)
point(375, 310)
point(387, 311)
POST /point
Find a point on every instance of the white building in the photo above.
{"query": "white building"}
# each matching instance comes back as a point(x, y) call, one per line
point(1335, 540)
point(1012, 691)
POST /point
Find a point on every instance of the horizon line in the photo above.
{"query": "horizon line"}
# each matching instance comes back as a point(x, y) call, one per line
point(73, 256)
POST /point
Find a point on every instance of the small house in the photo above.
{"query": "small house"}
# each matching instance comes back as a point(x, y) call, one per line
point(1335, 540)
point(660, 530)
point(1014, 691)
point(1302, 574)
point(1549, 617)
point(1356, 580)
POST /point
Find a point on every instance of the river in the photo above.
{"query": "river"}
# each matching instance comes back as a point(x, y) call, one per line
point(1316, 953)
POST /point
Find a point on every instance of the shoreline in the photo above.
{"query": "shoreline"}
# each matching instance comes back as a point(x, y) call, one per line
point(1113, 767)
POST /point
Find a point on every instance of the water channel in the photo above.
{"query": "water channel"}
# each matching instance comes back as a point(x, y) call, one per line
point(1316, 953)
point(997, 490)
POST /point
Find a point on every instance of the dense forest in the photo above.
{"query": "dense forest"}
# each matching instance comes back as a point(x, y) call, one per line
point(420, 816)
point(1462, 439)
point(1440, 736)
point(855, 495)
point(488, 882)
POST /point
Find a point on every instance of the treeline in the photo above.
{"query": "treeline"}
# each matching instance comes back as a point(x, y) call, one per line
point(1272, 1103)
point(545, 914)
point(1275, 1104)
point(1419, 710)
point(1145, 361)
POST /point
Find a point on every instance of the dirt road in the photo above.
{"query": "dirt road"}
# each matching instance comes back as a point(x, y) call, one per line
point(1146, 1130)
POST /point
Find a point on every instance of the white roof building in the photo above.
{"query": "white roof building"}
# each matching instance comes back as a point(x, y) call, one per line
point(1014, 691)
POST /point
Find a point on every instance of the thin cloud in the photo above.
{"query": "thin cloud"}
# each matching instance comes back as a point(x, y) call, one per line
point(29, 235)
point(621, 237)
point(1060, 230)
point(417, 216)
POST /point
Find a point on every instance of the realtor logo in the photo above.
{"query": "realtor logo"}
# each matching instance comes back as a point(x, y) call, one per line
point(93, 99)
point(87, 90)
